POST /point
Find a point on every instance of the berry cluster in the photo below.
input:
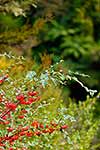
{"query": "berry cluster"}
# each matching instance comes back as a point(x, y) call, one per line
point(35, 129)
point(19, 132)
point(21, 100)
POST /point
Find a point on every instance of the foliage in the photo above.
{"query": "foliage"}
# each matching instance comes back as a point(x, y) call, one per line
point(70, 36)
point(33, 113)
point(22, 40)
point(83, 123)
point(73, 35)
point(71, 44)
point(16, 7)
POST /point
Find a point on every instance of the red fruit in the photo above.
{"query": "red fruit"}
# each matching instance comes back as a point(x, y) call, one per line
point(21, 116)
point(24, 111)
point(20, 97)
point(1, 81)
point(41, 125)
point(51, 130)
point(25, 128)
point(11, 106)
point(15, 137)
point(6, 137)
point(4, 117)
point(0, 98)
point(31, 99)
point(1, 144)
point(37, 133)
point(29, 134)
point(2, 122)
point(11, 148)
point(22, 133)
point(64, 127)
point(32, 93)
point(23, 102)
point(11, 142)
point(35, 124)
point(45, 131)
point(10, 129)
point(54, 124)
point(28, 103)
point(6, 122)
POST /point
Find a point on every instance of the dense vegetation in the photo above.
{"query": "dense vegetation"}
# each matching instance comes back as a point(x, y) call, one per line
point(47, 103)
point(34, 114)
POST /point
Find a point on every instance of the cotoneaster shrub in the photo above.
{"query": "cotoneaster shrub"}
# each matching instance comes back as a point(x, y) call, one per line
point(33, 114)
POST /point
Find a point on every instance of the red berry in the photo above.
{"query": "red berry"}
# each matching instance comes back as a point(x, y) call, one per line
point(1, 144)
point(6, 137)
point(54, 124)
point(0, 99)
point(25, 128)
point(30, 99)
point(20, 97)
point(32, 93)
point(24, 111)
point(10, 148)
point(11, 106)
point(10, 129)
point(23, 102)
point(64, 127)
point(51, 130)
point(41, 125)
point(35, 124)
point(29, 134)
point(22, 133)
point(6, 122)
point(1, 81)
point(45, 131)
point(37, 133)
point(21, 116)
point(28, 103)
point(4, 117)
point(15, 137)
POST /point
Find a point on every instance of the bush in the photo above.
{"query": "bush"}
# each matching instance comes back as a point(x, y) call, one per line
point(33, 114)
